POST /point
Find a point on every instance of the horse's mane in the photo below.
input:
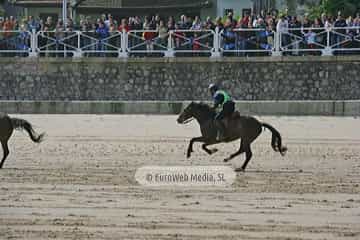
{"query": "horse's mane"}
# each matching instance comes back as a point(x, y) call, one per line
point(205, 107)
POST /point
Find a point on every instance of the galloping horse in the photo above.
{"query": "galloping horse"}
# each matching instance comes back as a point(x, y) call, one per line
point(7, 126)
point(245, 128)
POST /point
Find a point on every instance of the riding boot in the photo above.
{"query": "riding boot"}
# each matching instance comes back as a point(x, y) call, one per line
point(221, 131)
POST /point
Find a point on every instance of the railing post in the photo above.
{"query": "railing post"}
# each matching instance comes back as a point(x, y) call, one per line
point(123, 44)
point(216, 53)
point(277, 42)
point(169, 51)
point(327, 51)
point(33, 44)
point(78, 52)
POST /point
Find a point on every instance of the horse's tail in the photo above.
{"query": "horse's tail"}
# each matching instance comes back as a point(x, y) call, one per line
point(276, 142)
point(21, 124)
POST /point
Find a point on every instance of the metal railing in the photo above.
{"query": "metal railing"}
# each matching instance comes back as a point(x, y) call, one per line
point(192, 42)
point(92, 44)
point(59, 43)
point(78, 44)
point(323, 41)
point(213, 43)
point(243, 42)
point(344, 40)
point(146, 42)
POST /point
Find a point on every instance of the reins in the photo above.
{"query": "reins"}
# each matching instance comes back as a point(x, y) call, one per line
point(188, 120)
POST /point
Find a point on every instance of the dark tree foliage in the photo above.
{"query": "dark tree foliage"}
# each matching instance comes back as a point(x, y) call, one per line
point(347, 7)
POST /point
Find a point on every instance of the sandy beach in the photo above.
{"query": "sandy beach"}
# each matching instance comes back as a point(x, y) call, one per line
point(79, 183)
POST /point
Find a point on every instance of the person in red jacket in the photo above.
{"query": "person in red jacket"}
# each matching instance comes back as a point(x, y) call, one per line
point(148, 37)
point(124, 26)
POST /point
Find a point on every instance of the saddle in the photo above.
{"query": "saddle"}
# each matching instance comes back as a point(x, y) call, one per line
point(235, 115)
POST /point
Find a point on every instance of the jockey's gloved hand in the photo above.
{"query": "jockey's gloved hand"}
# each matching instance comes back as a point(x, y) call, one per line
point(216, 105)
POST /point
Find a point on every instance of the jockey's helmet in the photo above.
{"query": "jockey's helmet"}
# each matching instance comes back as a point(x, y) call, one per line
point(213, 88)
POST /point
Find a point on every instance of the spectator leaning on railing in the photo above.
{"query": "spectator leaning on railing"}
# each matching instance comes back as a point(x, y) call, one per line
point(148, 36)
point(124, 26)
point(295, 34)
point(178, 37)
point(59, 35)
point(229, 35)
point(171, 24)
point(33, 24)
point(283, 27)
point(103, 33)
point(196, 25)
point(163, 34)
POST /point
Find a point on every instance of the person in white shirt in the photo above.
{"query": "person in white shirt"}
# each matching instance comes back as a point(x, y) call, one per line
point(282, 27)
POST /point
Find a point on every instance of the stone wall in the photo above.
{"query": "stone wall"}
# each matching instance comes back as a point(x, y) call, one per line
point(283, 78)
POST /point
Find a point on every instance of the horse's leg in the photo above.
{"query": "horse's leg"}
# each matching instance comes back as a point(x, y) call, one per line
point(190, 148)
point(240, 151)
point(248, 154)
point(6, 152)
point(209, 151)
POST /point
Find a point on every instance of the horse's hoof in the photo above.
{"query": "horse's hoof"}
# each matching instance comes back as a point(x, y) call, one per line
point(283, 151)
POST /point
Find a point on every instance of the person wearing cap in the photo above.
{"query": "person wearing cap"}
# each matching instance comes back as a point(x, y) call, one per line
point(221, 99)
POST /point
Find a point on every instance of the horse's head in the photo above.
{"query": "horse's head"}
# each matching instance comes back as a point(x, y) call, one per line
point(187, 114)
point(199, 111)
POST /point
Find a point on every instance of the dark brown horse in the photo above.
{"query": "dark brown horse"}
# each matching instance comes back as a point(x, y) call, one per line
point(245, 128)
point(7, 126)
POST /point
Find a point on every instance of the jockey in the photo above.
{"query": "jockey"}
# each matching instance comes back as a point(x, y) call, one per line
point(221, 98)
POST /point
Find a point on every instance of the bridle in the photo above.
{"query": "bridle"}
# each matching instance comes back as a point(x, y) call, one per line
point(186, 111)
point(188, 120)
point(195, 113)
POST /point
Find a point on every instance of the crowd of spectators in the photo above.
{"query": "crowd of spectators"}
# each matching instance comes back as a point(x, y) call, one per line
point(257, 32)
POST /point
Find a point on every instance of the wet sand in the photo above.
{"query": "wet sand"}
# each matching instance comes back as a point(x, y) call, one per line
point(79, 183)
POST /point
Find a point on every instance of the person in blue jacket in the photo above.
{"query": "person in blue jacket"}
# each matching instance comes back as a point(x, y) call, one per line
point(102, 32)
